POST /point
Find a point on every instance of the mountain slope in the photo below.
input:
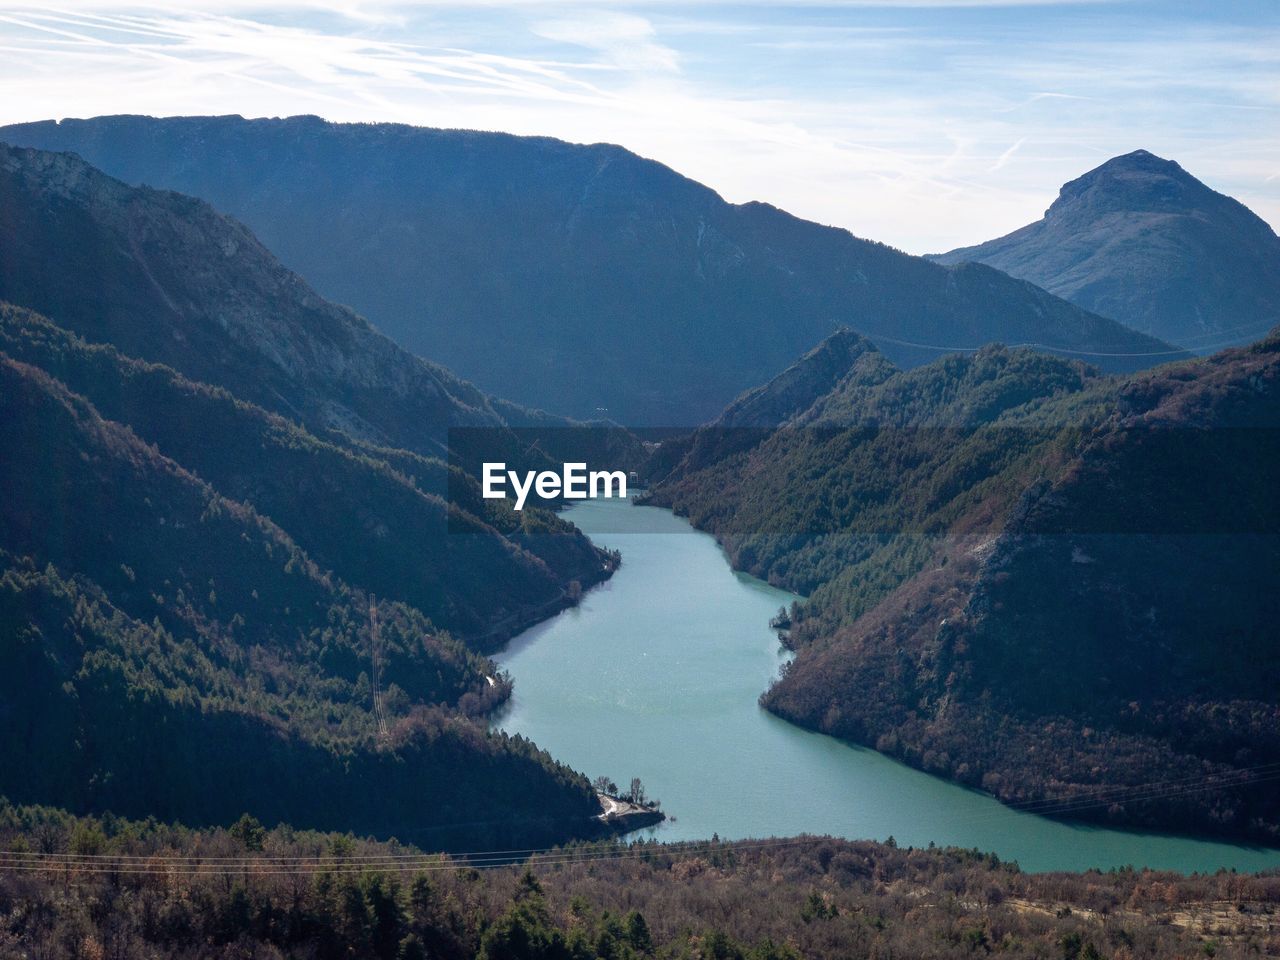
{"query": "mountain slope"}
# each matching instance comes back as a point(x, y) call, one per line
point(169, 652)
point(351, 510)
point(235, 593)
point(1017, 579)
point(800, 386)
point(575, 278)
point(166, 278)
point(1141, 240)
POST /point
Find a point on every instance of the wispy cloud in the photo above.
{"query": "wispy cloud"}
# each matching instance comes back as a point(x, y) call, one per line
point(927, 128)
point(1004, 157)
point(626, 40)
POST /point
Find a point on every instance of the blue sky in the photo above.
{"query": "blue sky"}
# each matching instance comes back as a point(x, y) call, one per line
point(926, 124)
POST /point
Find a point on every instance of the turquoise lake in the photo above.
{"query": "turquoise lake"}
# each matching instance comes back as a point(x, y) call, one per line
point(656, 674)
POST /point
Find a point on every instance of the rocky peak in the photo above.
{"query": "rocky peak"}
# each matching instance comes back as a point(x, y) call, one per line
point(1138, 181)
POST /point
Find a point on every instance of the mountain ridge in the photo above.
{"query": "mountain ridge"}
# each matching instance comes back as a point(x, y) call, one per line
point(607, 280)
point(221, 589)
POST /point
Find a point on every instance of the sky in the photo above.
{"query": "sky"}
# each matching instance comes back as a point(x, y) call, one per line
point(927, 124)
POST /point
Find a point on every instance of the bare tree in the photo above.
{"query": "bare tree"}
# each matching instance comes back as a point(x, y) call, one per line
point(605, 785)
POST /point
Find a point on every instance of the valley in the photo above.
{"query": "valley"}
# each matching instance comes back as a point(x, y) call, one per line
point(421, 542)
point(1015, 575)
point(657, 674)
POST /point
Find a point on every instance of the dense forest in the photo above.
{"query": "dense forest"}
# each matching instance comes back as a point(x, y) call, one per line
point(1023, 575)
point(375, 517)
point(173, 652)
point(237, 572)
point(85, 888)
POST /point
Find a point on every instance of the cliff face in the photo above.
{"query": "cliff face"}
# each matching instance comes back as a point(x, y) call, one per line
point(1141, 240)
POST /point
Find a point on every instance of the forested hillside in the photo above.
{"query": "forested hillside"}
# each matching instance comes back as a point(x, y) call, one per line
point(1028, 577)
point(580, 279)
point(170, 652)
point(71, 888)
point(249, 591)
point(372, 516)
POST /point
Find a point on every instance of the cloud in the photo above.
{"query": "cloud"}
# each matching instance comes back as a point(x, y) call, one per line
point(313, 63)
point(1004, 157)
point(627, 41)
point(927, 130)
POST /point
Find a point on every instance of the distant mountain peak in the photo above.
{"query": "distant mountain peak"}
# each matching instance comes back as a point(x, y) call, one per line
point(1141, 240)
point(1139, 159)
point(1140, 164)
point(1137, 181)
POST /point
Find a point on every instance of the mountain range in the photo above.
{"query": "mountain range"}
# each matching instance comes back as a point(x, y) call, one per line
point(585, 280)
point(235, 563)
point(1142, 241)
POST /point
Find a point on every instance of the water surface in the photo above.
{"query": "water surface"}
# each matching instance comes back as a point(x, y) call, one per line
point(657, 673)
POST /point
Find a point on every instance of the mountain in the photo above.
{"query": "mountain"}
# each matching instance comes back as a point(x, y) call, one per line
point(1141, 240)
point(169, 652)
point(233, 574)
point(1037, 580)
point(165, 278)
point(580, 279)
point(373, 517)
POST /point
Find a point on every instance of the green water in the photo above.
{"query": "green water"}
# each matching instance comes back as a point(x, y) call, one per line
point(656, 675)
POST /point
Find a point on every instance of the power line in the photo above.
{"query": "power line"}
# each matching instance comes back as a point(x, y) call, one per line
point(1261, 327)
point(1231, 342)
point(105, 863)
point(281, 865)
point(375, 647)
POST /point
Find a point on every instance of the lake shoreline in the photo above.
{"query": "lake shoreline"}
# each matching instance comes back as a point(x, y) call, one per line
point(658, 671)
point(907, 758)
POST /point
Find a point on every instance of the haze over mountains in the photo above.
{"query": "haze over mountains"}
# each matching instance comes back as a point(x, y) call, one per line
point(1142, 241)
point(581, 279)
